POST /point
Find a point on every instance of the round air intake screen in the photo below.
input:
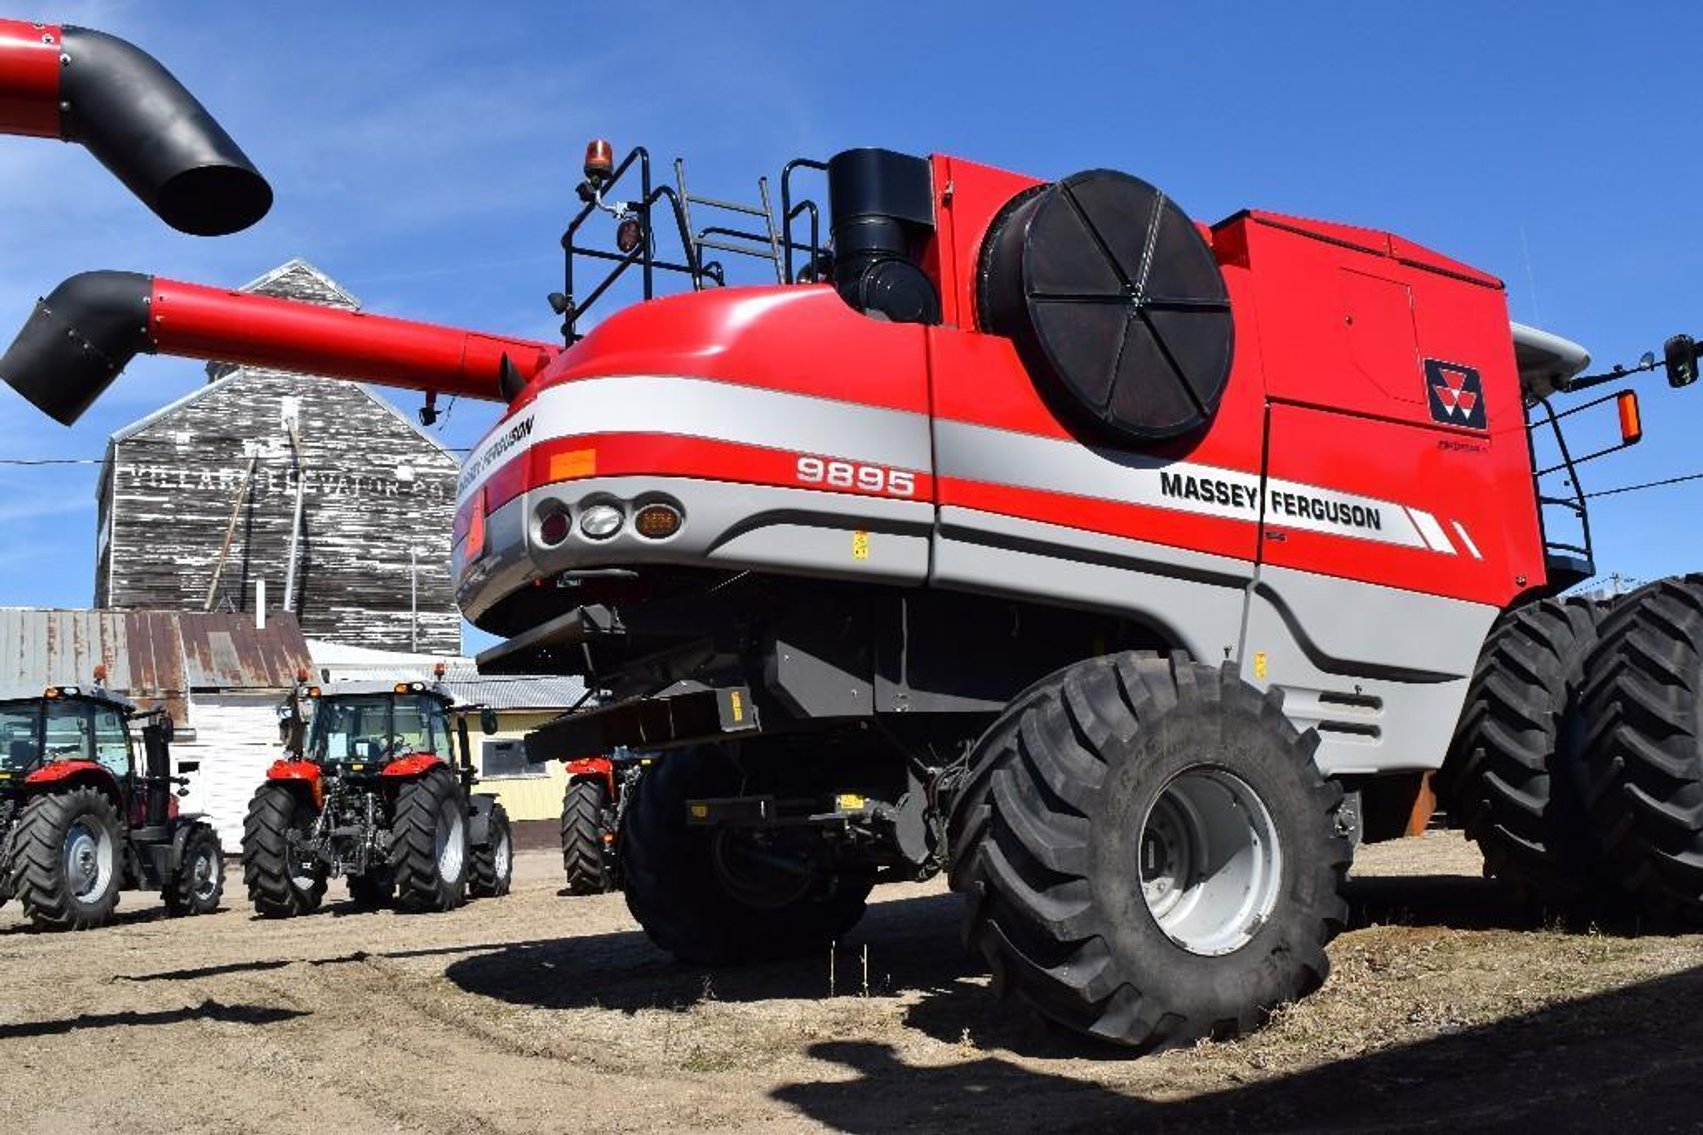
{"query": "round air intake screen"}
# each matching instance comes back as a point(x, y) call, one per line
point(1115, 302)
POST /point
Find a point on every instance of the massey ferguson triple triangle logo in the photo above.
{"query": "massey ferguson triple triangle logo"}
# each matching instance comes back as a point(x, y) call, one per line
point(1456, 394)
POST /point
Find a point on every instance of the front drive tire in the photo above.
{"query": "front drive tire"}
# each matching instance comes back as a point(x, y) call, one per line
point(280, 884)
point(67, 859)
point(586, 809)
point(677, 894)
point(493, 860)
point(428, 843)
point(200, 880)
point(1149, 853)
point(1644, 747)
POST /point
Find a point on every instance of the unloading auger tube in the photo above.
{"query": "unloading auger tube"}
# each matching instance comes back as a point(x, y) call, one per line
point(84, 333)
point(115, 99)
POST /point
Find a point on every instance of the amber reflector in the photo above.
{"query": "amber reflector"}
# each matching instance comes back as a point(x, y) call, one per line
point(1631, 425)
point(657, 521)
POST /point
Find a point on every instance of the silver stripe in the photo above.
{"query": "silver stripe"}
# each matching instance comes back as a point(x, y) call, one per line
point(1001, 457)
point(1460, 529)
point(718, 411)
point(1432, 531)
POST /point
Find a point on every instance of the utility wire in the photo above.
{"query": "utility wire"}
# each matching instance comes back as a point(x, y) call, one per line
point(1645, 485)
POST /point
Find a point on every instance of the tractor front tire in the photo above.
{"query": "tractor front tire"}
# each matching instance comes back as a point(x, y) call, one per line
point(428, 843)
point(1149, 854)
point(67, 859)
point(493, 860)
point(1513, 775)
point(586, 812)
point(199, 883)
point(677, 893)
point(280, 884)
point(1643, 706)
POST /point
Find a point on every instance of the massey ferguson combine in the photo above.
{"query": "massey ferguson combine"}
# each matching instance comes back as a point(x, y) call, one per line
point(88, 807)
point(85, 86)
point(375, 787)
point(1129, 569)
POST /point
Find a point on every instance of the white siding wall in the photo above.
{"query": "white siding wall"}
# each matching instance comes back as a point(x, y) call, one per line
point(236, 739)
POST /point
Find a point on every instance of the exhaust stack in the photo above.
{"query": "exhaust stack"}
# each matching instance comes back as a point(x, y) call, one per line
point(82, 335)
point(130, 113)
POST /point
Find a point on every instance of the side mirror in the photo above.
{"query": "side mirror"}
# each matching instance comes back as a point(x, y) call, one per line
point(184, 768)
point(488, 723)
point(1680, 355)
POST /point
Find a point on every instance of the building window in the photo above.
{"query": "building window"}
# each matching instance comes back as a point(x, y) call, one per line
point(506, 759)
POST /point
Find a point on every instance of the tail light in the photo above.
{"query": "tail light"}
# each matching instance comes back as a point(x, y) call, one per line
point(475, 528)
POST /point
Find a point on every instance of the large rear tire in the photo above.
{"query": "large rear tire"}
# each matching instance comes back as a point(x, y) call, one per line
point(1513, 778)
point(1644, 749)
point(493, 860)
point(281, 882)
point(587, 814)
point(428, 843)
point(1149, 853)
point(683, 900)
point(199, 883)
point(67, 862)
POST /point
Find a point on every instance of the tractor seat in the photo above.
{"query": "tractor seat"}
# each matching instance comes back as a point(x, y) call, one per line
point(22, 753)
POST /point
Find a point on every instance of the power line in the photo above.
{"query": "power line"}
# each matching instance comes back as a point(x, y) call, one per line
point(36, 461)
point(1645, 485)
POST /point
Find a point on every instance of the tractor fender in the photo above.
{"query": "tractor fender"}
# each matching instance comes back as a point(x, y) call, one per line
point(593, 768)
point(300, 773)
point(416, 765)
point(56, 775)
point(479, 819)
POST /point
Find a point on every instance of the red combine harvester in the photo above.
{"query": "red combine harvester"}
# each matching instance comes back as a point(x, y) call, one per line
point(86, 86)
point(1131, 570)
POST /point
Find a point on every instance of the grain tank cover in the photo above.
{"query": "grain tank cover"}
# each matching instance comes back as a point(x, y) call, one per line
point(1115, 303)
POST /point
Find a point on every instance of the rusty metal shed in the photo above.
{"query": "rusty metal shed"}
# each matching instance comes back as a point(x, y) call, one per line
point(155, 658)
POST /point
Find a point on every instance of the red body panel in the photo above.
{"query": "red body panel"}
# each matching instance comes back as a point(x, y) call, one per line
point(300, 772)
point(29, 79)
point(600, 768)
point(55, 771)
point(413, 765)
point(209, 323)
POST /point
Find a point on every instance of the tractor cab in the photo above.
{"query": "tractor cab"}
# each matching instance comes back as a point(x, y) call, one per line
point(84, 734)
point(361, 728)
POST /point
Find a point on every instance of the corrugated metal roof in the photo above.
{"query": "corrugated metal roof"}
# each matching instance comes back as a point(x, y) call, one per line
point(152, 657)
point(517, 691)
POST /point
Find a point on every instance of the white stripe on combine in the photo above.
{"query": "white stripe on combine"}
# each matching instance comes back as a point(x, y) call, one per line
point(1460, 530)
point(712, 410)
point(1432, 531)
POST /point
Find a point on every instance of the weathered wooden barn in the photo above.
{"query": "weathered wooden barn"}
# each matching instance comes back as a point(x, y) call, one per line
point(320, 492)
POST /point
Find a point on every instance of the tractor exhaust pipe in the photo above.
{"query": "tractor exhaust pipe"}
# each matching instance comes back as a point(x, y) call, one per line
point(131, 114)
point(83, 334)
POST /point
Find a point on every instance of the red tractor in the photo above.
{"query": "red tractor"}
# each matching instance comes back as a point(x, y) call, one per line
point(374, 788)
point(88, 808)
point(593, 803)
point(1130, 570)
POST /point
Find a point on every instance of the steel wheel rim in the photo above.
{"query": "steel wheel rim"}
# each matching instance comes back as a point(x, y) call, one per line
point(205, 882)
point(502, 854)
point(87, 859)
point(1211, 865)
point(450, 841)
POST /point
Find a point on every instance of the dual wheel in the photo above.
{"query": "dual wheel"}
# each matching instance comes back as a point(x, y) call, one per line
point(1578, 765)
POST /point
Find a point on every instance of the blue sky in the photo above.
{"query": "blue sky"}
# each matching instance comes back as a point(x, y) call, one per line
point(425, 157)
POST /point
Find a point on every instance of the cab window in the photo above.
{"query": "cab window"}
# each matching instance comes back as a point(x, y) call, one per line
point(68, 735)
point(437, 725)
point(112, 741)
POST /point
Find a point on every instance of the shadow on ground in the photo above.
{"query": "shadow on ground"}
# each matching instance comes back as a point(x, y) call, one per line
point(1635, 1053)
point(206, 1011)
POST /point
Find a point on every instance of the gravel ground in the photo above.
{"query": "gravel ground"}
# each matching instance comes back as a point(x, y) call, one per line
point(543, 1012)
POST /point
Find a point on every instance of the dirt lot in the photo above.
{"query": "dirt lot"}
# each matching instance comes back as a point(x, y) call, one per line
point(540, 1012)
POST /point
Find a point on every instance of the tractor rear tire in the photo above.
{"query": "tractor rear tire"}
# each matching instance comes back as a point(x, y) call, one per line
point(200, 880)
point(677, 894)
point(68, 859)
point(1513, 778)
point(493, 860)
point(278, 887)
point(428, 843)
point(374, 890)
point(1150, 855)
point(586, 813)
point(1643, 750)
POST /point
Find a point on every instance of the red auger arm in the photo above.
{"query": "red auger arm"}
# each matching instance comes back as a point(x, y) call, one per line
point(82, 336)
point(135, 117)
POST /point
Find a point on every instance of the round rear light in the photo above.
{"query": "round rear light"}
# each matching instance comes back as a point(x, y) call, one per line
point(555, 528)
point(657, 521)
point(600, 521)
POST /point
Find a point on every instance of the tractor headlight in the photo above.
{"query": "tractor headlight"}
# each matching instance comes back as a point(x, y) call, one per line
point(600, 521)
